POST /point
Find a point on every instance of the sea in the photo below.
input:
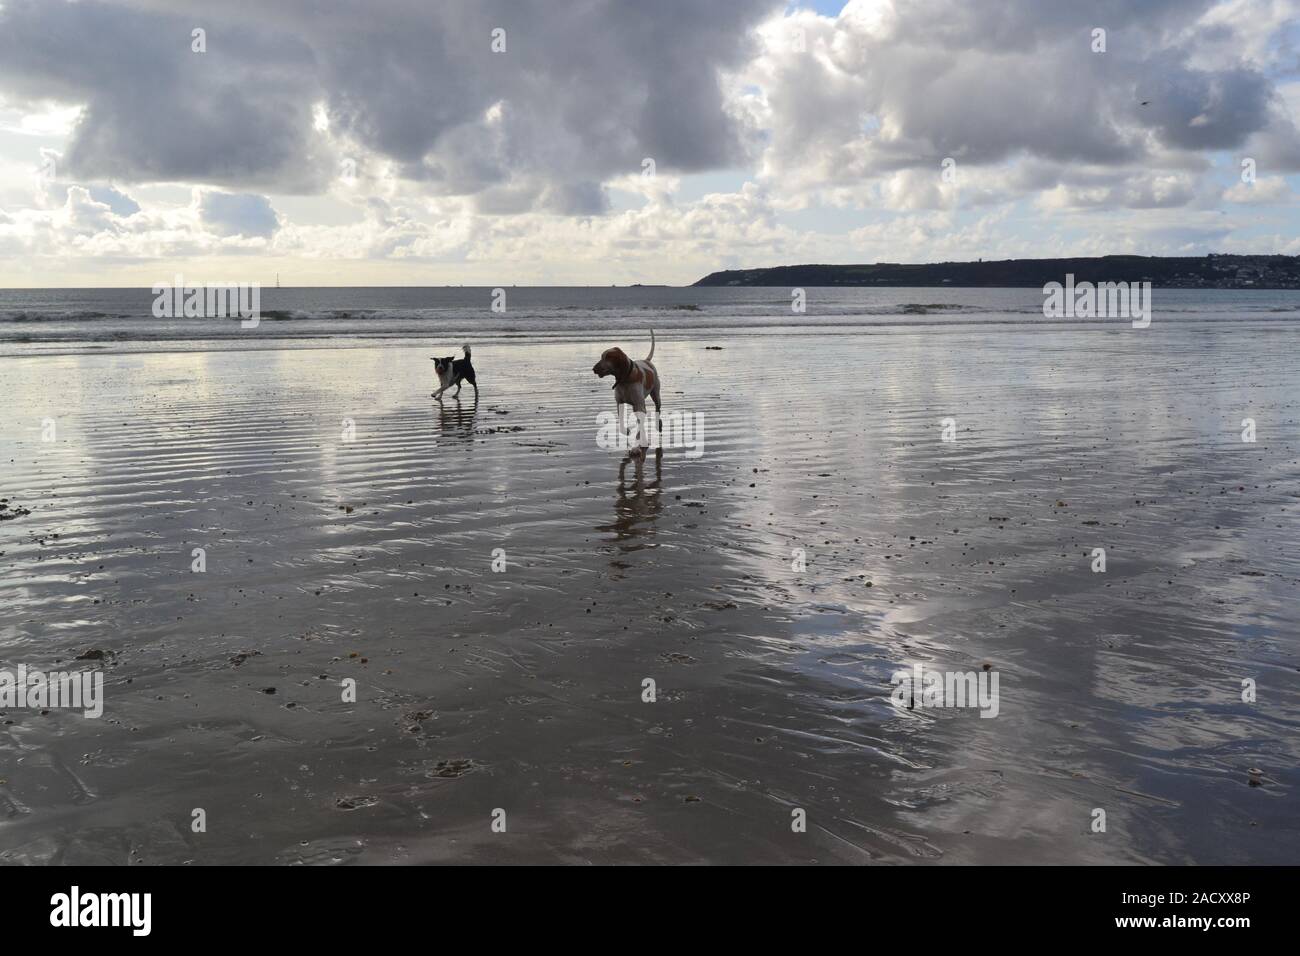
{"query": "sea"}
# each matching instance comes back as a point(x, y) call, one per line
point(42, 321)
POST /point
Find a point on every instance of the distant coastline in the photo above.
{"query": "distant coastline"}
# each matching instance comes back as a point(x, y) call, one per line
point(1213, 271)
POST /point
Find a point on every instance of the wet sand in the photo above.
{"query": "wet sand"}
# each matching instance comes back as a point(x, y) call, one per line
point(371, 559)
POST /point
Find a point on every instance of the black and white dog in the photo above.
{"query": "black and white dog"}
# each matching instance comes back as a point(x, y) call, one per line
point(452, 371)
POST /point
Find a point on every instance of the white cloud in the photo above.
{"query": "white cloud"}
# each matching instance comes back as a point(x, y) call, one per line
point(1268, 191)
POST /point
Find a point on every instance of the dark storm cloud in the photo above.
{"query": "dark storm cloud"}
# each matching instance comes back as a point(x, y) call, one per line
point(1192, 109)
point(155, 110)
point(585, 90)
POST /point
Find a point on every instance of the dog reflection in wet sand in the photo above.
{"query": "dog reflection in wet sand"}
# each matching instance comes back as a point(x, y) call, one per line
point(458, 420)
point(633, 381)
point(639, 502)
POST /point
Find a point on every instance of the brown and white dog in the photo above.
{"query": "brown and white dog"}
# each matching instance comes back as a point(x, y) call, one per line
point(633, 381)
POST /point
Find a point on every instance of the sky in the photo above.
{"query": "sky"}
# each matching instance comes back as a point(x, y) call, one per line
point(591, 142)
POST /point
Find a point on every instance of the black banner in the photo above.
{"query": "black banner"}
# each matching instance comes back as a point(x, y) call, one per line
point(213, 904)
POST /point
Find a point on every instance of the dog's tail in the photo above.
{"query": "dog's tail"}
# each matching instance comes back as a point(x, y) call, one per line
point(466, 348)
point(652, 346)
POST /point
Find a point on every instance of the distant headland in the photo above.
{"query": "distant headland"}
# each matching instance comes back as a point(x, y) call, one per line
point(1214, 271)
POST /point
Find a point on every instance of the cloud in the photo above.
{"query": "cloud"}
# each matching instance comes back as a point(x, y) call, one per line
point(1198, 110)
point(231, 214)
point(119, 203)
point(581, 93)
point(528, 162)
point(888, 87)
point(1269, 191)
point(154, 110)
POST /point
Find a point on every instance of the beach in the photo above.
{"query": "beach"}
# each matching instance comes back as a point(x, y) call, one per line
point(822, 536)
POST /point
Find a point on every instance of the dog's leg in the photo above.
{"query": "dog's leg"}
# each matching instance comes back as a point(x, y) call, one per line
point(620, 419)
point(654, 393)
point(642, 434)
point(622, 472)
point(456, 394)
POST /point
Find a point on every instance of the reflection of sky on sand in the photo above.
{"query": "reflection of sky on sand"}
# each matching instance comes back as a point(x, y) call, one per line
point(1119, 690)
point(1130, 468)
